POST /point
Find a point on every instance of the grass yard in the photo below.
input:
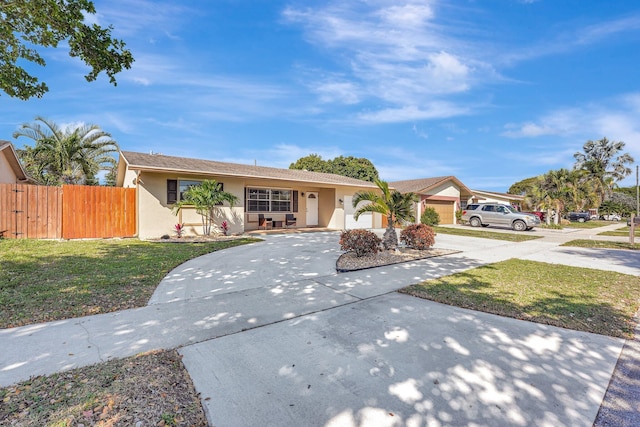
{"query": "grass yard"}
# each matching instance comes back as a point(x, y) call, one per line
point(601, 244)
point(44, 280)
point(482, 233)
point(588, 224)
point(621, 232)
point(601, 302)
point(152, 389)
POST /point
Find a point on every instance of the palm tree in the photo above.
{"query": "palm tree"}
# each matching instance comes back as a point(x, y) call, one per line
point(206, 198)
point(66, 155)
point(604, 164)
point(395, 205)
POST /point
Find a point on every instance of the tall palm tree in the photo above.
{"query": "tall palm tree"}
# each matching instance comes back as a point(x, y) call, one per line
point(395, 205)
point(604, 164)
point(66, 155)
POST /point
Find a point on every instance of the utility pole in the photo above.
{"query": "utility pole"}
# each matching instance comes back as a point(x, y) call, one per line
point(637, 193)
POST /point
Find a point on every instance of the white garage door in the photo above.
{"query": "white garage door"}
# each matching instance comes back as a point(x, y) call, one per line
point(364, 221)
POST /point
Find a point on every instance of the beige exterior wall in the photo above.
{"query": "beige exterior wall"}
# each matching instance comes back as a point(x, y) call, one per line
point(447, 189)
point(155, 216)
point(7, 175)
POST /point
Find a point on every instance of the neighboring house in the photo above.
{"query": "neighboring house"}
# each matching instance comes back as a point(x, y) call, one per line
point(11, 171)
point(481, 196)
point(442, 193)
point(315, 199)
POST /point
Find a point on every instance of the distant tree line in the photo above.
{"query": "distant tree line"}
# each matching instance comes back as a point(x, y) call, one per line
point(591, 183)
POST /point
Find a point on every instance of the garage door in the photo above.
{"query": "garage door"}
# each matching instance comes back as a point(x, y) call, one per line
point(364, 221)
point(444, 209)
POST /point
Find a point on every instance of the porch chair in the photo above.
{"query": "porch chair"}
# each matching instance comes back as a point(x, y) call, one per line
point(264, 222)
point(289, 220)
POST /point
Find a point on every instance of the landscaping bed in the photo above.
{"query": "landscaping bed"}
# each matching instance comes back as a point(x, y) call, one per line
point(350, 262)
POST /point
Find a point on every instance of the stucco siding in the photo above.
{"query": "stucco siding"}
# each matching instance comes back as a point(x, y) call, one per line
point(7, 175)
point(447, 189)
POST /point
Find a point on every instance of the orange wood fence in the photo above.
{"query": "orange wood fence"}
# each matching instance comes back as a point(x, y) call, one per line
point(68, 212)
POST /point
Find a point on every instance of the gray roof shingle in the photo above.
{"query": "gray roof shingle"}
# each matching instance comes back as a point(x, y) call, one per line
point(159, 162)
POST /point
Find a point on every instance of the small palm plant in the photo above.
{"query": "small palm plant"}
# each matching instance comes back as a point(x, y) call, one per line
point(207, 198)
point(396, 206)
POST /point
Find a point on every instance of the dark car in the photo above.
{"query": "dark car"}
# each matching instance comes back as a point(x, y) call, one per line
point(579, 216)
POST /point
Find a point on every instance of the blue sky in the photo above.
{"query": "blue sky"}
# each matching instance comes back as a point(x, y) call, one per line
point(491, 91)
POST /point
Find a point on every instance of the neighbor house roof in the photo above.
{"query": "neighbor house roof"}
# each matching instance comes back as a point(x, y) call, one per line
point(162, 163)
point(424, 185)
point(12, 157)
point(495, 194)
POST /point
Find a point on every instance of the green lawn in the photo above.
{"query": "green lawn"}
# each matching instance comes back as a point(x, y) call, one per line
point(483, 233)
point(601, 244)
point(43, 280)
point(588, 224)
point(601, 302)
point(622, 232)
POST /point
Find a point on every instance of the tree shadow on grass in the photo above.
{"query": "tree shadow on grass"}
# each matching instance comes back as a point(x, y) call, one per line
point(578, 311)
point(51, 280)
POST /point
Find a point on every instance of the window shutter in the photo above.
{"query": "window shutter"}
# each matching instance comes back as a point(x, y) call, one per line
point(221, 187)
point(246, 190)
point(295, 200)
point(172, 191)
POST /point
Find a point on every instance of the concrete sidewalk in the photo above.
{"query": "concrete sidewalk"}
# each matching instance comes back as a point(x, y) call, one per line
point(251, 307)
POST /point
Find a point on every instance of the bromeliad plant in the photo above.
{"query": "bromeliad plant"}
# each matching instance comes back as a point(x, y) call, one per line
point(224, 227)
point(207, 199)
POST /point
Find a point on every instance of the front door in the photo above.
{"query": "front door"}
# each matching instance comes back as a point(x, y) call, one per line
point(312, 209)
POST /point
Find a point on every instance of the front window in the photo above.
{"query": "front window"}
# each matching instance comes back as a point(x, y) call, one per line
point(184, 185)
point(268, 200)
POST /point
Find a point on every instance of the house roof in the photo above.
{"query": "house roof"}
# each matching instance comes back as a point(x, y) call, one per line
point(12, 157)
point(495, 194)
point(162, 163)
point(424, 185)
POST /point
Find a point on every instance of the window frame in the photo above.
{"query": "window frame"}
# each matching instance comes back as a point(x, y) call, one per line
point(272, 200)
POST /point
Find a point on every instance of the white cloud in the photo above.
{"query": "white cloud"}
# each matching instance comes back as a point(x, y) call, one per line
point(400, 54)
point(616, 118)
point(436, 110)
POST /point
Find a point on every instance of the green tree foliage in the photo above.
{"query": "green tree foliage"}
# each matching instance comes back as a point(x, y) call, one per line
point(26, 24)
point(353, 167)
point(604, 163)
point(523, 187)
point(312, 163)
point(430, 217)
point(207, 199)
point(66, 156)
point(396, 206)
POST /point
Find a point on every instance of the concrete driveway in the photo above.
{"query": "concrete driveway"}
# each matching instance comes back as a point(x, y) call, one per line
point(384, 359)
point(272, 336)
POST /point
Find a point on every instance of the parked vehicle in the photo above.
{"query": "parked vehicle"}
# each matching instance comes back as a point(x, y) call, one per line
point(579, 216)
point(485, 214)
point(539, 214)
point(611, 217)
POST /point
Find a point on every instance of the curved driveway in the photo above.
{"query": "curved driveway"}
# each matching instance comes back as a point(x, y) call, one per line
point(272, 336)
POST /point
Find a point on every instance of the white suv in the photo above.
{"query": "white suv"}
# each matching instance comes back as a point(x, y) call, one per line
point(485, 214)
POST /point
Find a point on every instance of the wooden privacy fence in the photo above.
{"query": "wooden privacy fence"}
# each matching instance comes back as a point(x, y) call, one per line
point(68, 212)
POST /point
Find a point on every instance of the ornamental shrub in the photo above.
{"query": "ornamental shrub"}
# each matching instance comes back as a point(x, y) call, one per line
point(418, 236)
point(430, 217)
point(362, 242)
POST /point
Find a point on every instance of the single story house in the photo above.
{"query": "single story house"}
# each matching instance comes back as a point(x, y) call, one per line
point(445, 194)
point(11, 170)
point(314, 199)
point(481, 196)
